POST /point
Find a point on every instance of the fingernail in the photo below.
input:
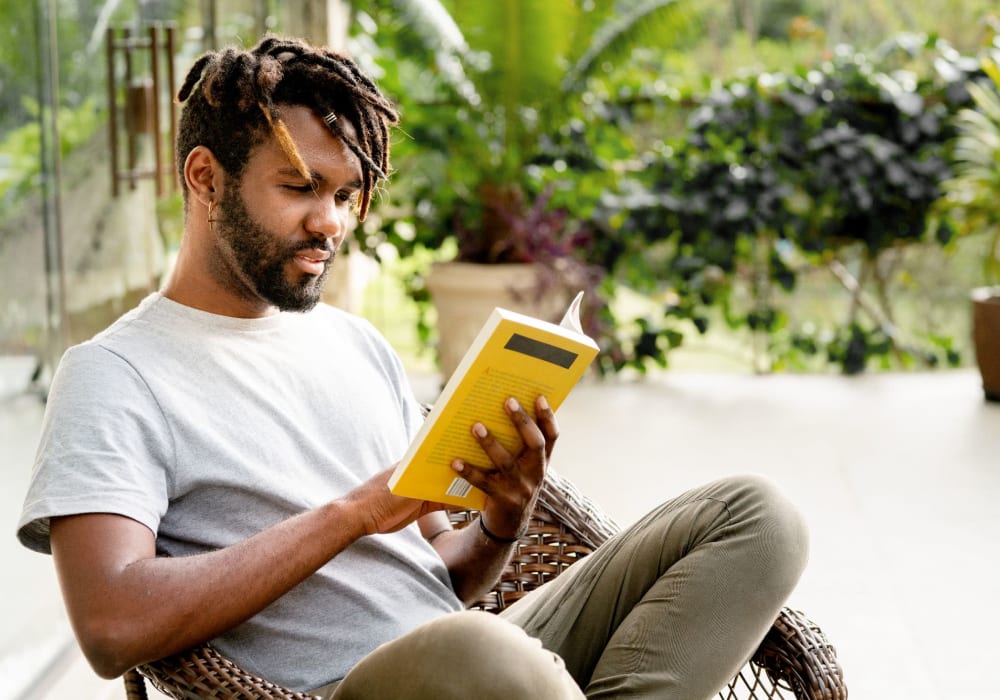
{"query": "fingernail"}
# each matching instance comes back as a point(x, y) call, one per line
point(512, 404)
point(543, 404)
point(479, 429)
point(458, 465)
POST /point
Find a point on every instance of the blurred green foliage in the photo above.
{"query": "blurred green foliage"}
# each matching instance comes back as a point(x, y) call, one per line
point(703, 157)
point(775, 175)
point(20, 168)
point(490, 158)
point(708, 194)
point(972, 197)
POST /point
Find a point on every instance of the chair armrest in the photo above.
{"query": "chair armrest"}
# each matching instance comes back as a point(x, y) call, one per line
point(203, 672)
point(797, 655)
point(561, 498)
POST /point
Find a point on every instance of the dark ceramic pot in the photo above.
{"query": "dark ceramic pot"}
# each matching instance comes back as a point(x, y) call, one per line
point(986, 338)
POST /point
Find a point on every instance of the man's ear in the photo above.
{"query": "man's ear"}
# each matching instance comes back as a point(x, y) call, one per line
point(204, 175)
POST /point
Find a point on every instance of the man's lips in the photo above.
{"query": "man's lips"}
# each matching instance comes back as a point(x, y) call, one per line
point(312, 260)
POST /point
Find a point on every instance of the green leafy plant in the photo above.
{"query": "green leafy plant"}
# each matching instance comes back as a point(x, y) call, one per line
point(971, 197)
point(831, 168)
point(498, 156)
point(20, 166)
point(500, 118)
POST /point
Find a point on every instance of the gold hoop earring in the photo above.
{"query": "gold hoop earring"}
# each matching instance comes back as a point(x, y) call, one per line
point(211, 212)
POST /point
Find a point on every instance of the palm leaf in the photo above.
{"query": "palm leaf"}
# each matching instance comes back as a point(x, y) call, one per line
point(657, 21)
point(434, 26)
point(975, 188)
point(987, 100)
point(513, 56)
point(527, 42)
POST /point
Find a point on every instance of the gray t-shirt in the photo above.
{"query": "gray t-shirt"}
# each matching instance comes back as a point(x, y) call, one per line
point(208, 429)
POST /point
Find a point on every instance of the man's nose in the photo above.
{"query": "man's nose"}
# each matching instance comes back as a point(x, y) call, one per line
point(327, 220)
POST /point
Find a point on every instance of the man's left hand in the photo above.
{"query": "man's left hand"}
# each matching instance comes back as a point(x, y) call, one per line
point(512, 483)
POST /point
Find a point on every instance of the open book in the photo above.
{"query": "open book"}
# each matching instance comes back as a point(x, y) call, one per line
point(513, 355)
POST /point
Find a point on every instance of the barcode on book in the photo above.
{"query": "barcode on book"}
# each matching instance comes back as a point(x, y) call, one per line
point(459, 487)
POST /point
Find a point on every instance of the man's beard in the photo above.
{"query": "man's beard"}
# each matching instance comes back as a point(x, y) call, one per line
point(260, 258)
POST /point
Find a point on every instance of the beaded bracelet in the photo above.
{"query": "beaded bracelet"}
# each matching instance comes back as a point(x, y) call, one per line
point(498, 539)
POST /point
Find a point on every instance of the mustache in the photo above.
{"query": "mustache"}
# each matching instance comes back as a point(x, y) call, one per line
point(326, 245)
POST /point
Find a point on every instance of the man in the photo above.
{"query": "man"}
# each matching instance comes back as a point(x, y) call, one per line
point(213, 466)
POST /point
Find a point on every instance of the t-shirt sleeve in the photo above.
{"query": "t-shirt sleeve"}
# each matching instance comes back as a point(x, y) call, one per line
point(105, 447)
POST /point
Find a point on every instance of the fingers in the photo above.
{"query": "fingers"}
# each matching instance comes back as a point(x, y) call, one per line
point(545, 417)
point(537, 435)
point(529, 430)
point(503, 462)
point(532, 438)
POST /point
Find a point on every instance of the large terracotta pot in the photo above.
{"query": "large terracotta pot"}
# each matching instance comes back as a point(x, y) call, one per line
point(465, 294)
point(986, 338)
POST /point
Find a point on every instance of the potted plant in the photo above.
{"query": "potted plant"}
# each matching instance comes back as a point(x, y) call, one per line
point(496, 147)
point(972, 197)
point(536, 267)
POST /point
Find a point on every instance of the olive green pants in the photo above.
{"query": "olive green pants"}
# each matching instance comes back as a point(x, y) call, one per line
point(670, 608)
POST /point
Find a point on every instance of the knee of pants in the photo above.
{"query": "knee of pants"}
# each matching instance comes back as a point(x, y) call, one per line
point(776, 525)
point(462, 655)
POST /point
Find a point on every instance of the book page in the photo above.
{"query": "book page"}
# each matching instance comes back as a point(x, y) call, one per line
point(484, 403)
point(571, 319)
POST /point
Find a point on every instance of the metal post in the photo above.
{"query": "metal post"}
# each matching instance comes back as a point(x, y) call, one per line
point(260, 13)
point(209, 13)
point(130, 145)
point(171, 86)
point(112, 112)
point(51, 178)
point(154, 62)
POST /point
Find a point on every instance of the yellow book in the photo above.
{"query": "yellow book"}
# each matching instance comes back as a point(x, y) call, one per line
point(513, 355)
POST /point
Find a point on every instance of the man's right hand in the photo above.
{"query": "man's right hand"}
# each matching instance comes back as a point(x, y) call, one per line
point(380, 511)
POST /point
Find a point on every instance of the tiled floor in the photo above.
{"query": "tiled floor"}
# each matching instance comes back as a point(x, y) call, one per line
point(897, 476)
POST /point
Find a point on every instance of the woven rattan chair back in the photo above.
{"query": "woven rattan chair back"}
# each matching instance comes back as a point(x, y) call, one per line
point(795, 660)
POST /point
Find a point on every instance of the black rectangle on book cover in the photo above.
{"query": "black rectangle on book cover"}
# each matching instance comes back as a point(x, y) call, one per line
point(542, 351)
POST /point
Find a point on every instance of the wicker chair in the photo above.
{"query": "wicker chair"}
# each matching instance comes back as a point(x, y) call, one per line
point(795, 660)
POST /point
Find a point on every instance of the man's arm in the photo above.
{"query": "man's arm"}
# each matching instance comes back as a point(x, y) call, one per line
point(128, 606)
point(511, 484)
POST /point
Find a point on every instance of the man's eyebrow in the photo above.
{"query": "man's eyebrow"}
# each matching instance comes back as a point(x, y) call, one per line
point(294, 172)
point(316, 177)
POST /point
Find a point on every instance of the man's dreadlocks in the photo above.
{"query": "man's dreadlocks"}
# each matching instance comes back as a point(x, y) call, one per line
point(237, 105)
